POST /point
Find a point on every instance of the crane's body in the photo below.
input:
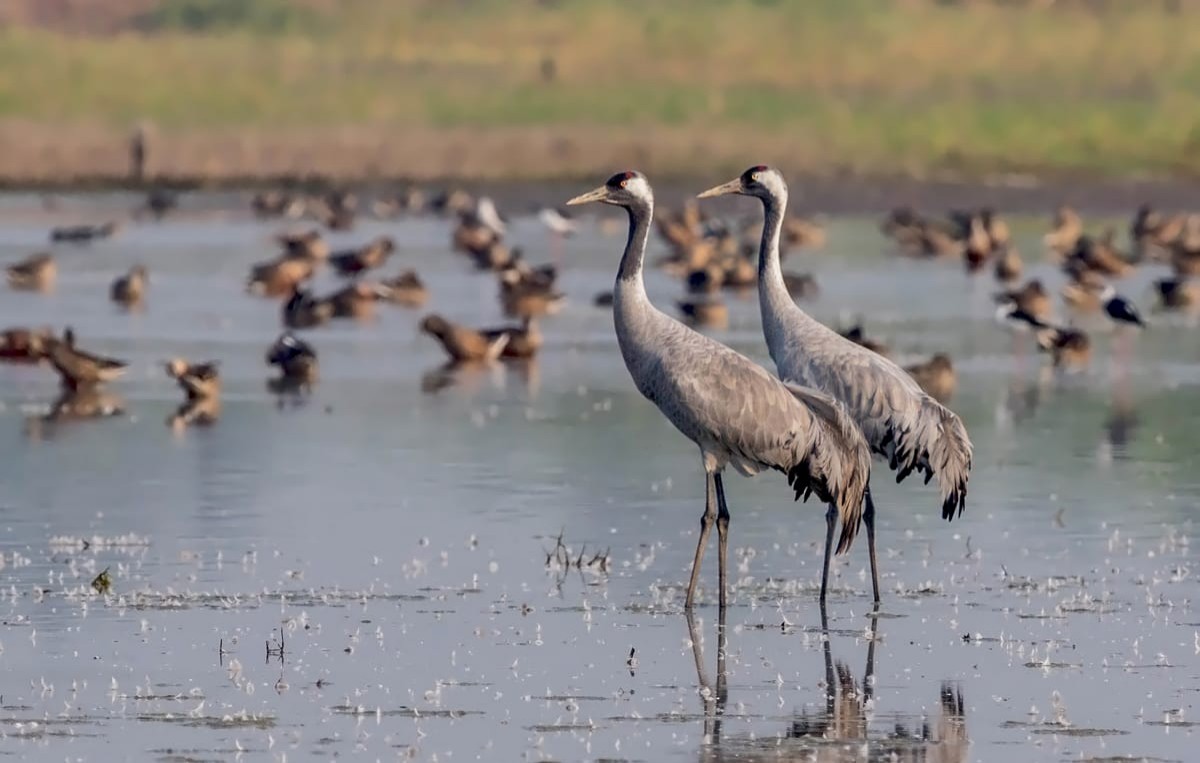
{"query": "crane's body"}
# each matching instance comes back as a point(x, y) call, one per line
point(737, 413)
point(898, 419)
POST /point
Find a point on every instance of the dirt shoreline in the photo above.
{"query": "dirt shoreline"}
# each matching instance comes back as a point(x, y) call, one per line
point(532, 165)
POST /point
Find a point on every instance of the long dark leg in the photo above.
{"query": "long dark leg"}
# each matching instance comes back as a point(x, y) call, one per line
point(722, 534)
point(869, 520)
point(706, 523)
point(830, 523)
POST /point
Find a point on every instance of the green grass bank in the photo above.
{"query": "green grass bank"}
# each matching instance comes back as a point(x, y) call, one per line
point(538, 88)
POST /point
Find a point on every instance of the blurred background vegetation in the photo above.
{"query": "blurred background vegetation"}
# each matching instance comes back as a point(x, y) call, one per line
point(509, 88)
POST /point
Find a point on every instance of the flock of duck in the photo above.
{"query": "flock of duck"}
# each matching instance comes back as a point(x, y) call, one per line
point(838, 398)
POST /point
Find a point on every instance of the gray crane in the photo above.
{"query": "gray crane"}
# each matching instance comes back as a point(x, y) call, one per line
point(900, 422)
point(733, 409)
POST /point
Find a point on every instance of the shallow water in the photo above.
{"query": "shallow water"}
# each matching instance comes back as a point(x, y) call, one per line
point(371, 571)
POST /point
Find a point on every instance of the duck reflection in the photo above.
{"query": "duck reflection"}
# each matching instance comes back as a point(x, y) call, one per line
point(75, 404)
point(469, 377)
point(843, 730)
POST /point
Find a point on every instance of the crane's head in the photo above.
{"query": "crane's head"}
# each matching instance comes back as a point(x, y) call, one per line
point(624, 189)
point(761, 181)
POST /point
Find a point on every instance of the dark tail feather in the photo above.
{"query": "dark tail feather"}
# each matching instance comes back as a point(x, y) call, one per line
point(851, 523)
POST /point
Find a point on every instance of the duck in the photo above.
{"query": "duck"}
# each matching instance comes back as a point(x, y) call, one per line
point(496, 256)
point(1100, 255)
point(197, 380)
point(78, 368)
point(524, 341)
point(524, 294)
point(801, 285)
point(278, 277)
point(1120, 310)
point(84, 234)
point(978, 247)
point(473, 235)
point(1070, 349)
point(1066, 227)
point(858, 335)
point(705, 280)
point(936, 376)
point(603, 299)
point(36, 272)
point(24, 346)
point(308, 245)
point(452, 201)
point(296, 361)
point(357, 300)
point(269, 204)
point(1031, 299)
point(464, 344)
point(1152, 232)
point(354, 262)
point(1177, 294)
point(707, 311)
point(407, 289)
point(738, 272)
point(302, 310)
point(130, 289)
point(1083, 292)
point(1008, 266)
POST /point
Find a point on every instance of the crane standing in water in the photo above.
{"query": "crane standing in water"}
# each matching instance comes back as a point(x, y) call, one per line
point(734, 410)
point(900, 422)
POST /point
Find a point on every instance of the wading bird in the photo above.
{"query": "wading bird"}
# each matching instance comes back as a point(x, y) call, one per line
point(899, 420)
point(737, 413)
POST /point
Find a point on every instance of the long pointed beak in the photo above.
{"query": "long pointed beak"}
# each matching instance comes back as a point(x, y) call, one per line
point(733, 186)
point(598, 194)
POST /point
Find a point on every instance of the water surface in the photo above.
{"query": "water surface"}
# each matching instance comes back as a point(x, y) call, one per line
point(370, 571)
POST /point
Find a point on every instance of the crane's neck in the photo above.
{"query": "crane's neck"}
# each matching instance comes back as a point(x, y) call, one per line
point(772, 291)
point(631, 306)
point(629, 275)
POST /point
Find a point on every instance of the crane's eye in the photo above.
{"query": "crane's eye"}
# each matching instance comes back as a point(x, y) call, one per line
point(624, 183)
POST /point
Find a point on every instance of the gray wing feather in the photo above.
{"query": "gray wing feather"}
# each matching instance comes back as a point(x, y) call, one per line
point(902, 423)
point(736, 410)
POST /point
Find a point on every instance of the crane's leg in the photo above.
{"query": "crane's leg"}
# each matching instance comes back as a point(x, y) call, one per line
point(722, 534)
point(706, 522)
point(831, 516)
point(869, 520)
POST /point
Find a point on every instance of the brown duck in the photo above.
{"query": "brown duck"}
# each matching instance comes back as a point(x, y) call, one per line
point(407, 289)
point(302, 310)
point(279, 277)
point(308, 245)
point(1070, 349)
point(523, 295)
point(357, 300)
point(129, 290)
point(464, 344)
point(706, 311)
point(1177, 294)
point(936, 376)
point(24, 346)
point(1065, 229)
point(197, 380)
point(354, 262)
point(78, 368)
point(1032, 298)
point(34, 273)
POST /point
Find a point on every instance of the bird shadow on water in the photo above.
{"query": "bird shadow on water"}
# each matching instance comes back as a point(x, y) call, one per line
point(73, 405)
point(844, 728)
